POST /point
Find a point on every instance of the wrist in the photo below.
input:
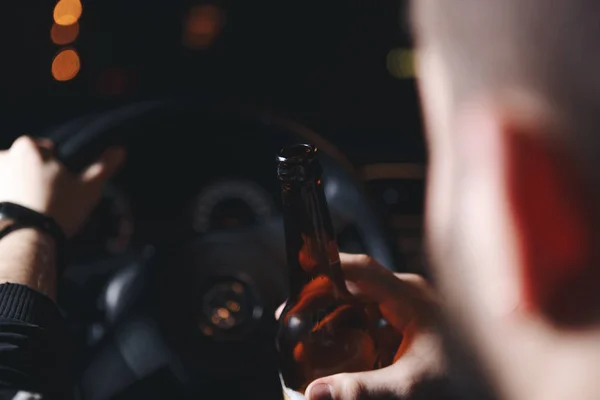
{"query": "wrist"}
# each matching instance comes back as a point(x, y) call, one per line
point(28, 257)
point(16, 217)
point(29, 237)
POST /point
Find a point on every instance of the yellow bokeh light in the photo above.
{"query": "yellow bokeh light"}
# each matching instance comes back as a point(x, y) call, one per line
point(67, 12)
point(66, 65)
point(64, 34)
point(401, 63)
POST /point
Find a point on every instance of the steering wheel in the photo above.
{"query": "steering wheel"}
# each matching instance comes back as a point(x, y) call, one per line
point(203, 310)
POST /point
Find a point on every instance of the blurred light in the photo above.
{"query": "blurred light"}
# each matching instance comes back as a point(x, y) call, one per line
point(65, 65)
point(237, 288)
point(64, 34)
point(233, 306)
point(201, 26)
point(67, 12)
point(401, 63)
point(223, 313)
point(207, 330)
point(116, 81)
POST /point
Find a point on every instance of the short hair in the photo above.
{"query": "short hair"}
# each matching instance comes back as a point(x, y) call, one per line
point(548, 48)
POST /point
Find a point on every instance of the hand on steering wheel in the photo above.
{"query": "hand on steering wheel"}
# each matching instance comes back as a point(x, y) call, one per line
point(409, 305)
point(31, 176)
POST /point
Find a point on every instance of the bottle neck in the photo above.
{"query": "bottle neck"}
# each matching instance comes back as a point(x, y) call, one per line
point(312, 250)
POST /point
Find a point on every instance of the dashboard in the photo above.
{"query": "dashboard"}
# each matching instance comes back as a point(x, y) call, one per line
point(231, 204)
point(170, 192)
point(113, 228)
point(400, 189)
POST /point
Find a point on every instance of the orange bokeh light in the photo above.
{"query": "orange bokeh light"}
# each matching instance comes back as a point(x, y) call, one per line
point(64, 34)
point(67, 12)
point(66, 65)
point(116, 81)
point(202, 25)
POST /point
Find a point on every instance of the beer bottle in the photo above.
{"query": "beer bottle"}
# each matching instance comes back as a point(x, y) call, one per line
point(323, 329)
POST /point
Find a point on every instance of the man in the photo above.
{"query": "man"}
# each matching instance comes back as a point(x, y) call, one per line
point(511, 96)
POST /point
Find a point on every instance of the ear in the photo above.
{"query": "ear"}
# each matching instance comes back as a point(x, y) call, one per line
point(551, 206)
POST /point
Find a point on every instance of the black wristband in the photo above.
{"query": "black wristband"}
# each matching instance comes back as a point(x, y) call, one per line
point(23, 217)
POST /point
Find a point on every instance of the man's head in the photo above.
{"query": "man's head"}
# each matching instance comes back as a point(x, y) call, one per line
point(511, 97)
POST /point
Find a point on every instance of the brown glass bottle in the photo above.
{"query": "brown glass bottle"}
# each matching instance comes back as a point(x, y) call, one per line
point(323, 329)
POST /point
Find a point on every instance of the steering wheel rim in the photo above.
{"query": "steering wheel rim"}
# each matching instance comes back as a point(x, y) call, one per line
point(79, 141)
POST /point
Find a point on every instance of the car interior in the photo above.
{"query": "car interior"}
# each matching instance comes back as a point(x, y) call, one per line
point(202, 95)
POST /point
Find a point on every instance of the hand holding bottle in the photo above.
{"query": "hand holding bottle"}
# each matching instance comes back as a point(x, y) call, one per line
point(350, 329)
point(409, 305)
point(324, 329)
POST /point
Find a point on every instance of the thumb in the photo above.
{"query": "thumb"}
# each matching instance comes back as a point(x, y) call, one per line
point(384, 383)
point(407, 378)
point(280, 310)
point(105, 166)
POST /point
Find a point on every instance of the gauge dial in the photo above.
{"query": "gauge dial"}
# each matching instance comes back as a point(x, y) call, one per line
point(231, 204)
point(108, 230)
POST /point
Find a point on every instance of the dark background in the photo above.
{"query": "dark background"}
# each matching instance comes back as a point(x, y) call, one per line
point(321, 63)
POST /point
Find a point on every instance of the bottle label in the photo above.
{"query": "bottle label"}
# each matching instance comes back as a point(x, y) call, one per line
point(289, 394)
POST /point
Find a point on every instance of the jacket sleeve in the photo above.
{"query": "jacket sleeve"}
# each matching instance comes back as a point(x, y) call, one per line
point(34, 356)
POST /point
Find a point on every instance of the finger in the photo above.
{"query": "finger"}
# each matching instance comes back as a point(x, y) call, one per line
point(106, 166)
point(424, 289)
point(361, 267)
point(44, 143)
point(24, 144)
point(424, 359)
point(45, 147)
point(383, 383)
point(401, 298)
point(373, 280)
